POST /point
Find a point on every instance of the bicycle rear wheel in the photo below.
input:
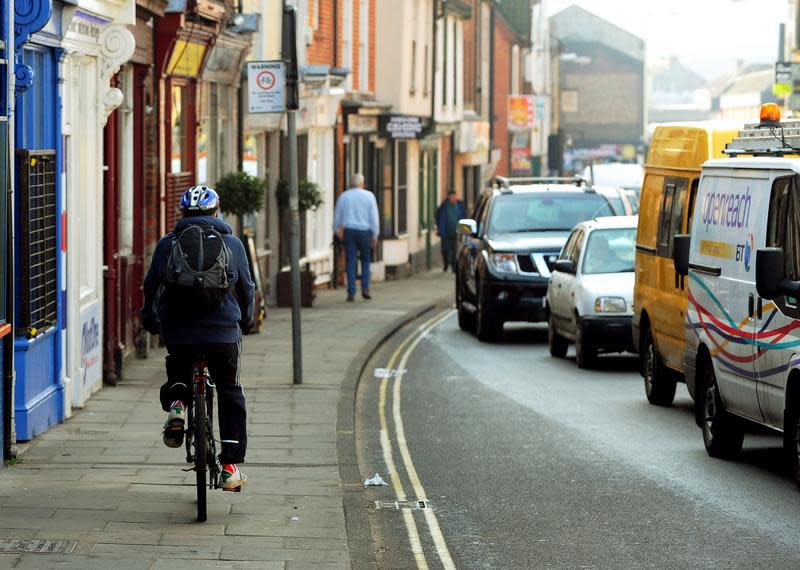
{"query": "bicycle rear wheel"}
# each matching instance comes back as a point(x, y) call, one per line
point(200, 449)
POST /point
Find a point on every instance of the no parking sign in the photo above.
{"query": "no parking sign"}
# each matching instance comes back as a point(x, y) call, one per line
point(266, 86)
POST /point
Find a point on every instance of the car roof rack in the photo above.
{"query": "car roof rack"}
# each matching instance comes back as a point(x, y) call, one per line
point(505, 182)
point(764, 139)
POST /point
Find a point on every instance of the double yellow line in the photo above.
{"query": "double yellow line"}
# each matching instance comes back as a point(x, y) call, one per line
point(400, 357)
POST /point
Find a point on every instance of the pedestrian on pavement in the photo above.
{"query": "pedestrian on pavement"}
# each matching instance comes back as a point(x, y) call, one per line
point(355, 222)
point(450, 211)
point(203, 317)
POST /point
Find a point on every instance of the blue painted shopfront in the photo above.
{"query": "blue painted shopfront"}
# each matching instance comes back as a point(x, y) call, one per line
point(38, 305)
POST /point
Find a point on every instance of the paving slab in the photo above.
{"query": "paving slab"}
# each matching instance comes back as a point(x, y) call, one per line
point(104, 479)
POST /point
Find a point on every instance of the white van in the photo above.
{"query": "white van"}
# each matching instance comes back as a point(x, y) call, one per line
point(742, 357)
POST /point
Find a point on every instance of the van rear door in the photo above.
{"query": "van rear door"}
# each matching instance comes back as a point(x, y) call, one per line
point(722, 295)
point(669, 302)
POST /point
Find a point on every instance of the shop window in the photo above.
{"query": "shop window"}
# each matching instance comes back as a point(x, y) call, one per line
point(37, 236)
point(179, 129)
point(386, 198)
point(401, 177)
point(203, 134)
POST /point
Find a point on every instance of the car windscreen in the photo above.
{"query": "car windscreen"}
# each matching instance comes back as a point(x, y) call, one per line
point(516, 213)
point(610, 251)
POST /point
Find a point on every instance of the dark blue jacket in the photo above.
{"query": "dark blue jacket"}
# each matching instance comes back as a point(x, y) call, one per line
point(223, 324)
point(441, 216)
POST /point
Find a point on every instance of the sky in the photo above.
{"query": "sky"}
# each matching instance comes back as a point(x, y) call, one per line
point(708, 36)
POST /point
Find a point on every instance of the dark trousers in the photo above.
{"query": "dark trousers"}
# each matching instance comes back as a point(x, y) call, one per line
point(357, 243)
point(449, 252)
point(223, 365)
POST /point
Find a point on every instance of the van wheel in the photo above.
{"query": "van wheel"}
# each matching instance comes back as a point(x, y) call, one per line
point(585, 354)
point(466, 320)
point(791, 438)
point(487, 328)
point(722, 433)
point(557, 343)
point(659, 383)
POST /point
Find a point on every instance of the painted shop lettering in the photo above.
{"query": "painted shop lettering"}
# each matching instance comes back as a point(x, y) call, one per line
point(726, 209)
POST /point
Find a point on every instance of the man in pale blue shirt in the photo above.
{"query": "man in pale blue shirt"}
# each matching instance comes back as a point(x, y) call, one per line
point(356, 223)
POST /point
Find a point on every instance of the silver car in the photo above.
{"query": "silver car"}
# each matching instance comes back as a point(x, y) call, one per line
point(590, 294)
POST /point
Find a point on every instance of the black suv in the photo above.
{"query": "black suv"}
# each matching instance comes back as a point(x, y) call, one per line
point(508, 248)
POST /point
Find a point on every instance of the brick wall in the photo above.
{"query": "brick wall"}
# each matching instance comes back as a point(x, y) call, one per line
point(321, 49)
point(503, 41)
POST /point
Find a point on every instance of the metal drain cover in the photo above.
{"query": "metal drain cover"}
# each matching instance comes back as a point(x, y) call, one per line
point(37, 546)
point(396, 505)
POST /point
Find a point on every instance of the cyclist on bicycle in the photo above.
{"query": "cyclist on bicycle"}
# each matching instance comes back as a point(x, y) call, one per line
point(209, 327)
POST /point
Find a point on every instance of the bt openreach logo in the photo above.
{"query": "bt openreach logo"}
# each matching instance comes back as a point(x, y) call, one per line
point(744, 252)
point(726, 209)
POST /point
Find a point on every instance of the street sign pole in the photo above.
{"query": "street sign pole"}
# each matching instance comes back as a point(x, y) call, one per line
point(290, 56)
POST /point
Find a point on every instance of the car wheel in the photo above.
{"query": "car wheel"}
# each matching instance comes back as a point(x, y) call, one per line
point(722, 433)
point(659, 383)
point(585, 353)
point(466, 320)
point(558, 344)
point(487, 328)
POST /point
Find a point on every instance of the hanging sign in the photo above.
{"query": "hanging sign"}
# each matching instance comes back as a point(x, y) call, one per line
point(266, 86)
point(521, 112)
point(400, 127)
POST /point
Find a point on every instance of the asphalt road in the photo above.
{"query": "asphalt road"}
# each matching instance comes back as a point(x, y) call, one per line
point(529, 462)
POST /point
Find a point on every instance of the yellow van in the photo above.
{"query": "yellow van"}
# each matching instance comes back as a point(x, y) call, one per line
point(672, 173)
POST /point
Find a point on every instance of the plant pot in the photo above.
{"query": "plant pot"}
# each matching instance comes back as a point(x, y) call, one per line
point(307, 294)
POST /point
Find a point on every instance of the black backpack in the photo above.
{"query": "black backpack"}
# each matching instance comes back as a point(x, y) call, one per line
point(197, 274)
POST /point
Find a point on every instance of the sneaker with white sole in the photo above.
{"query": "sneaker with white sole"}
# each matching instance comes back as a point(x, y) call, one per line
point(175, 425)
point(231, 478)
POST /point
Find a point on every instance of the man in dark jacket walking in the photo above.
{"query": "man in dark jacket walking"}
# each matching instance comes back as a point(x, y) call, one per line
point(447, 216)
point(191, 331)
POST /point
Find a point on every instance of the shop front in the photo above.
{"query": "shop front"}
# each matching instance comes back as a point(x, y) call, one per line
point(38, 219)
point(182, 45)
point(472, 158)
point(130, 195)
point(95, 48)
point(398, 163)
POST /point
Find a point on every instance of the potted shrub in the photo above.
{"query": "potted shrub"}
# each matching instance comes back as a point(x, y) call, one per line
point(308, 194)
point(241, 193)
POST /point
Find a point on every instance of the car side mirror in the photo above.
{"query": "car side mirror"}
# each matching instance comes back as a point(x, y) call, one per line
point(771, 281)
point(565, 266)
point(467, 227)
point(680, 253)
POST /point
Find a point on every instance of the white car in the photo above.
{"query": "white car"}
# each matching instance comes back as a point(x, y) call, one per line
point(618, 198)
point(590, 294)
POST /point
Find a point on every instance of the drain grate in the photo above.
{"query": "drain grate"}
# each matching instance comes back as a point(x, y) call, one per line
point(37, 546)
point(397, 505)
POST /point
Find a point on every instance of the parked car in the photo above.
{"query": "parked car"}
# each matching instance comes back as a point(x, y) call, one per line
point(743, 264)
point(618, 198)
point(590, 295)
point(509, 246)
point(667, 204)
point(621, 174)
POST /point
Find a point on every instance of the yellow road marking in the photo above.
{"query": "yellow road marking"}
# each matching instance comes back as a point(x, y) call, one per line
point(430, 516)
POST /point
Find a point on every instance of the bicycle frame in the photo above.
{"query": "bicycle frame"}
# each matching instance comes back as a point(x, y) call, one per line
point(204, 391)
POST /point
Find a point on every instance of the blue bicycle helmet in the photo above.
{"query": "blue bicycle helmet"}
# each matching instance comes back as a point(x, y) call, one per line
point(200, 199)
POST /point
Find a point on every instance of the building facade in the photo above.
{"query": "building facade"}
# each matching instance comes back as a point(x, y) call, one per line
point(602, 88)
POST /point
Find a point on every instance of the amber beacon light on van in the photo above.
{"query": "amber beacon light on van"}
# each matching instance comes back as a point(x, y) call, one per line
point(769, 137)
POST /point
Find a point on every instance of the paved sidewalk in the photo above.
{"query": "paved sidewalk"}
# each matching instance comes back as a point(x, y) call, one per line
point(105, 479)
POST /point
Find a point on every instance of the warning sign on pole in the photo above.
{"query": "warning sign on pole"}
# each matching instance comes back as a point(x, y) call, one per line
point(266, 86)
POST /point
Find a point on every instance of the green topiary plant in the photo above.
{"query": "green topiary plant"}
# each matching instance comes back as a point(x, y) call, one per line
point(241, 193)
point(308, 194)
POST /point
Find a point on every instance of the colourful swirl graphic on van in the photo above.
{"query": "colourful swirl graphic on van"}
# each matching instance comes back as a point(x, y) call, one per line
point(725, 334)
